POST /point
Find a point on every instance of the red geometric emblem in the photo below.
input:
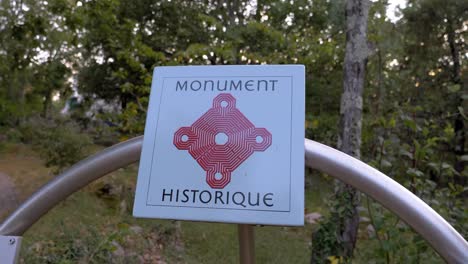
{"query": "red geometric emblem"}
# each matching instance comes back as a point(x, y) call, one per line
point(221, 139)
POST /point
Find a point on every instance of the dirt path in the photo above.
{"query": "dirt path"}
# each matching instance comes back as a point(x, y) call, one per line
point(21, 173)
point(8, 195)
point(24, 168)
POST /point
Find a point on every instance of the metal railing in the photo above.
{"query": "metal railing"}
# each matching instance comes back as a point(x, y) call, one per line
point(422, 218)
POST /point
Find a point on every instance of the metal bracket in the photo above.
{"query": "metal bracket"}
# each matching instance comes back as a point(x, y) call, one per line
point(9, 249)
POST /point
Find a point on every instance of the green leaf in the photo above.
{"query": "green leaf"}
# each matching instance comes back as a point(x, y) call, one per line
point(462, 112)
point(386, 163)
point(451, 186)
point(446, 165)
point(415, 172)
point(386, 245)
point(464, 158)
point(406, 153)
point(433, 166)
point(410, 123)
point(454, 88)
point(392, 122)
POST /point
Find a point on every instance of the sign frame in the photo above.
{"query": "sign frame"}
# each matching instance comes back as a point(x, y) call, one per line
point(295, 74)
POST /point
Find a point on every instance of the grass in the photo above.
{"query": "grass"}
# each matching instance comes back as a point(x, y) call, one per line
point(25, 168)
point(91, 227)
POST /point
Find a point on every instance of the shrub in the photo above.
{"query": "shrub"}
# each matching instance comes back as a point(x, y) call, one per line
point(59, 142)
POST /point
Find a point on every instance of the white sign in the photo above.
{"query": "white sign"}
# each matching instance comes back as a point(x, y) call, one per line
point(224, 144)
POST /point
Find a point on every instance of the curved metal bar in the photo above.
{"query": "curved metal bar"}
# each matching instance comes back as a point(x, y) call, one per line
point(432, 227)
point(70, 181)
point(420, 216)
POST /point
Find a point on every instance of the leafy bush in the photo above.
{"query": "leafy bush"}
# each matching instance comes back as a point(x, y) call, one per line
point(8, 135)
point(59, 142)
point(413, 149)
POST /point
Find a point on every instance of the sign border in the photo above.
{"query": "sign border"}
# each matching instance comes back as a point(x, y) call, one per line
point(295, 215)
point(224, 208)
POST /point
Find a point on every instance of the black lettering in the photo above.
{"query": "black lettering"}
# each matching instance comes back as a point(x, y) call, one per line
point(182, 87)
point(201, 197)
point(184, 193)
point(259, 84)
point(167, 194)
point(235, 86)
point(241, 203)
point(269, 199)
point(218, 195)
point(205, 84)
point(248, 84)
point(258, 200)
point(194, 195)
point(225, 86)
point(273, 84)
point(195, 89)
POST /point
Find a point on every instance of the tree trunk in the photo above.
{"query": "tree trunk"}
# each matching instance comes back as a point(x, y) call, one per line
point(459, 123)
point(336, 236)
point(46, 104)
point(382, 92)
point(349, 139)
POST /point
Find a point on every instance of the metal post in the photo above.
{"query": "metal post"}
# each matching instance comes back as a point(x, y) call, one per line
point(246, 244)
point(9, 248)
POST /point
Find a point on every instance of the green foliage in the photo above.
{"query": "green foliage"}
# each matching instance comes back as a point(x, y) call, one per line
point(35, 57)
point(124, 42)
point(59, 142)
point(326, 243)
point(408, 148)
point(86, 241)
point(415, 101)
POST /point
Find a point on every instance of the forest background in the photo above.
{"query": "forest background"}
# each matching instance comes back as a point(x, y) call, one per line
point(75, 77)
